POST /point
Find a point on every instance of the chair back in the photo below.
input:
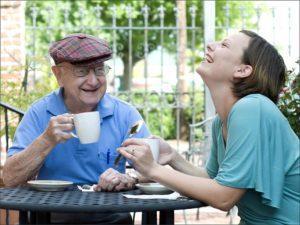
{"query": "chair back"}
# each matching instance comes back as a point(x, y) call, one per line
point(199, 142)
point(12, 117)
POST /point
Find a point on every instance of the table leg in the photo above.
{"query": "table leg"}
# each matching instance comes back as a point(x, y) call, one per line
point(166, 217)
point(42, 218)
point(7, 217)
point(23, 217)
point(149, 217)
point(32, 217)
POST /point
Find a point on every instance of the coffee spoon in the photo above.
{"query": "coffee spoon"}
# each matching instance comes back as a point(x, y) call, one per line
point(133, 130)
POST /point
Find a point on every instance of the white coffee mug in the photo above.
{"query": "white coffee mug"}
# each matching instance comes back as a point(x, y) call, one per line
point(87, 127)
point(154, 146)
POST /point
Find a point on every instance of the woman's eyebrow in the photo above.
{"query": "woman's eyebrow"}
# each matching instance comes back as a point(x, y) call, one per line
point(226, 40)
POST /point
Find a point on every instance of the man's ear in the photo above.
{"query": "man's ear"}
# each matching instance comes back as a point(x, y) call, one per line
point(242, 71)
point(57, 72)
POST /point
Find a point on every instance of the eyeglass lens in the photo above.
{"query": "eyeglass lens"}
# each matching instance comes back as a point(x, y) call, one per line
point(84, 71)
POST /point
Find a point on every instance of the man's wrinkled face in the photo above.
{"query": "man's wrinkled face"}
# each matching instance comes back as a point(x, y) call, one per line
point(84, 86)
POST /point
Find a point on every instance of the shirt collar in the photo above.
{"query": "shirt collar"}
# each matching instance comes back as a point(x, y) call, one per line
point(106, 106)
point(56, 104)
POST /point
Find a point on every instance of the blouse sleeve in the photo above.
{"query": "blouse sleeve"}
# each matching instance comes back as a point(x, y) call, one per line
point(250, 160)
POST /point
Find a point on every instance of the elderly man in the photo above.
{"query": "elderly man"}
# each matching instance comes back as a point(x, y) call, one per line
point(44, 148)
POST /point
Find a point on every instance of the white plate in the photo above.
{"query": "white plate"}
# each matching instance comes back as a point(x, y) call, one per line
point(49, 185)
point(153, 188)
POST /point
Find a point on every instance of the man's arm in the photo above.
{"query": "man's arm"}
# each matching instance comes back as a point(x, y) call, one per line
point(25, 165)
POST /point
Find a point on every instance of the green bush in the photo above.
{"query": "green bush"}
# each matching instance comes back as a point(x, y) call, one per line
point(289, 101)
point(14, 94)
point(160, 113)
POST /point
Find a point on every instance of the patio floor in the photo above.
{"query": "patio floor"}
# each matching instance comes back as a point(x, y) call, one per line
point(207, 215)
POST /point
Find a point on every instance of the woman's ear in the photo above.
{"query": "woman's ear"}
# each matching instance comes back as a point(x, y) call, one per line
point(57, 72)
point(242, 71)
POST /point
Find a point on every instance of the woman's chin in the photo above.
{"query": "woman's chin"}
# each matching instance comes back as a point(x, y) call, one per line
point(201, 70)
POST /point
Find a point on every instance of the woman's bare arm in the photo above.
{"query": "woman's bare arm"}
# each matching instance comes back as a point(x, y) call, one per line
point(184, 166)
point(203, 189)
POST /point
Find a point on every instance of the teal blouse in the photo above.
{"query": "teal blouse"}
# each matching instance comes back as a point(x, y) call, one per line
point(262, 156)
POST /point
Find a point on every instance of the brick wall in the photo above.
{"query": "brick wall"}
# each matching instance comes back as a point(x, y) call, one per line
point(12, 52)
point(12, 39)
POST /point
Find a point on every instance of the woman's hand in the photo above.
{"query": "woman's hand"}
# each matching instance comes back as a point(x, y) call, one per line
point(140, 154)
point(166, 152)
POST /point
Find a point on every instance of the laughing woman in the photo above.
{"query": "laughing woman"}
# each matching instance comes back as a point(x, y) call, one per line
point(254, 160)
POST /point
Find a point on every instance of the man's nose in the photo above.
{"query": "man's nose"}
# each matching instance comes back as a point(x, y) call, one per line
point(91, 77)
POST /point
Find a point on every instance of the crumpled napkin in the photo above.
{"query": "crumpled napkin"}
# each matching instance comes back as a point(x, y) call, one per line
point(172, 196)
point(86, 188)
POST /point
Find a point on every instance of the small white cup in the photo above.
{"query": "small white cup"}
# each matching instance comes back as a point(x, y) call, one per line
point(87, 127)
point(154, 146)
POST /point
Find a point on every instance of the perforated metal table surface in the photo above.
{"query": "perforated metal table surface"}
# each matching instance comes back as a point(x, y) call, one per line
point(72, 200)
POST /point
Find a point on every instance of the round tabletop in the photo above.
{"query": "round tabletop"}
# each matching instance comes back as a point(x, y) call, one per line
point(73, 200)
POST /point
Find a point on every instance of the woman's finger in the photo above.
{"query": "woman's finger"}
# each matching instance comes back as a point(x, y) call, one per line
point(154, 137)
point(125, 152)
point(133, 141)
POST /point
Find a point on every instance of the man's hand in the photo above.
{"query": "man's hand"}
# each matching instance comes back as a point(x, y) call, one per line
point(112, 180)
point(59, 129)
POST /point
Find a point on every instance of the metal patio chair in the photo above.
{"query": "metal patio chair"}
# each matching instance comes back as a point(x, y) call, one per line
point(199, 147)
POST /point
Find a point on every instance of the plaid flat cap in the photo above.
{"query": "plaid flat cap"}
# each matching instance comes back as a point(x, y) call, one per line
point(80, 49)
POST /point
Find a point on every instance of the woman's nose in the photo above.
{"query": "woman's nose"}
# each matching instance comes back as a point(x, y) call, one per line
point(210, 46)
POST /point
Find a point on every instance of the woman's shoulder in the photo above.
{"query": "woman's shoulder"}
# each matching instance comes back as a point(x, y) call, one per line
point(258, 111)
point(257, 104)
point(254, 100)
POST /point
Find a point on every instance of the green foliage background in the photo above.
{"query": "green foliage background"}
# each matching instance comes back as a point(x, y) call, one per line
point(289, 102)
point(51, 24)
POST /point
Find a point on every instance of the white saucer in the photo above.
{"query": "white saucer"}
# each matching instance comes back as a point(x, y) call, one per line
point(49, 185)
point(153, 188)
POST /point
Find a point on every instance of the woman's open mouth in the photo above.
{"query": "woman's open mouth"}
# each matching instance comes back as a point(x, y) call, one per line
point(208, 58)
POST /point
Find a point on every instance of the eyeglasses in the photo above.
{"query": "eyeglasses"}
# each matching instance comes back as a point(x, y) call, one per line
point(83, 71)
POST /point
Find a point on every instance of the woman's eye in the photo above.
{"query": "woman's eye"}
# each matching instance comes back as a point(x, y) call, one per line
point(223, 45)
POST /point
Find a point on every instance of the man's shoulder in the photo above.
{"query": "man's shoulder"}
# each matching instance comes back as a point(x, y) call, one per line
point(42, 103)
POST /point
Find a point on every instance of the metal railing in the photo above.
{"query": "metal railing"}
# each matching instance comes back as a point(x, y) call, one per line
point(150, 23)
point(199, 142)
point(7, 109)
point(11, 116)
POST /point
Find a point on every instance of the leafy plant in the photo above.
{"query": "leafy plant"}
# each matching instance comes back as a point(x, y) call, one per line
point(289, 102)
point(160, 112)
point(14, 94)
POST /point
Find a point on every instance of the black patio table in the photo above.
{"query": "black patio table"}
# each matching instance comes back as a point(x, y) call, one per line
point(41, 204)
